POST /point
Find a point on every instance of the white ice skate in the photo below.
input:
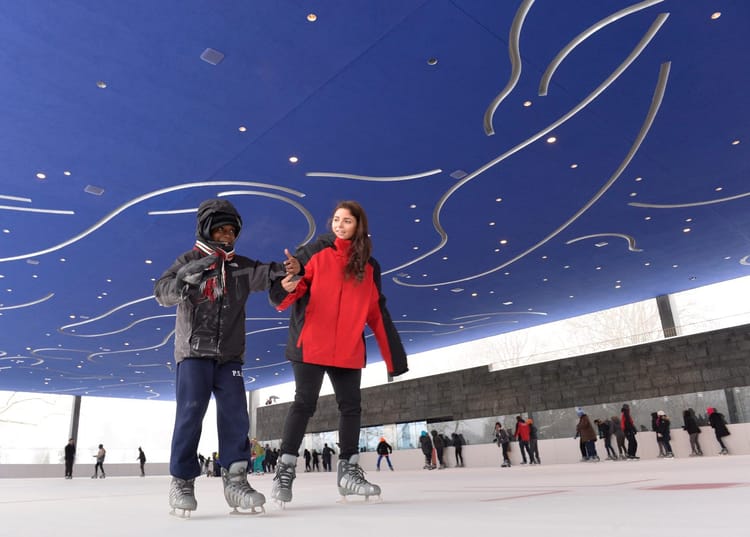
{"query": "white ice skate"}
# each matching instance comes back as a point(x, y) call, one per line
point(239, 493)
point(286, 471)
point(182, 497)
point(351, 480)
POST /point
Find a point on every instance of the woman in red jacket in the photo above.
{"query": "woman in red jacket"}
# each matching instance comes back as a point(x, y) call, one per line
point(338, 294)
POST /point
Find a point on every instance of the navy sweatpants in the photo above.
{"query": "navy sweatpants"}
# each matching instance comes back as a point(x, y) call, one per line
point(197, 379)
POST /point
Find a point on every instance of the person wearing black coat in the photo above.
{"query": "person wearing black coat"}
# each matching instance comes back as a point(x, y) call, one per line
point(426, 444)
point(693, 430)
point(458, 442)
point(70, 456)
point(384, 449)
point(663, 433)
point(719, 424)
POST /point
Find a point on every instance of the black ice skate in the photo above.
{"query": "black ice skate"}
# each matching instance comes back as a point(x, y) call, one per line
point(239, 493)
point(182, 497)
point(351, 480)
point(281, 491)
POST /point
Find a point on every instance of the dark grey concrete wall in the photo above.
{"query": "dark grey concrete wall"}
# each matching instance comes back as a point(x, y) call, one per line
point(703, 362)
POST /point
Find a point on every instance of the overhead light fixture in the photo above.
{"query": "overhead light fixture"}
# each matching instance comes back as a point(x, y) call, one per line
point(95, 190)
point(293, 160)
point(432, 61)
point(574, 166)
point(735, 142)
point(101, 84)
point(312, 17)
point(67, 173)
point(41, 175)
point(715, 15)
point(212, 56)
point(526, 104)
point(551, 139)
point(242, 128)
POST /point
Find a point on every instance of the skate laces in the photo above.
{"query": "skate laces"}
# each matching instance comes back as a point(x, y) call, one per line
point(183, 487)
point(285, 475)
point(356, 474)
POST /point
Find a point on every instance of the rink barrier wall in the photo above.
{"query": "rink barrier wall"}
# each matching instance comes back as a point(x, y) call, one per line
point(553, 451)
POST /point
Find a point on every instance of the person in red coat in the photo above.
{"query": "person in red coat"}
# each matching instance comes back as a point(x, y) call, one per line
point(338, 293)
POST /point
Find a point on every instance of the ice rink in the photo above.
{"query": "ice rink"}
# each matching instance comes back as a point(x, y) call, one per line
point(678, 497)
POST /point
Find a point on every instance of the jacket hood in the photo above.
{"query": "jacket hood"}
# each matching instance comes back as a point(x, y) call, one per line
point(214, 212)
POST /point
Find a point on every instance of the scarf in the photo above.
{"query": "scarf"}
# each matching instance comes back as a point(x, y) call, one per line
point(214, 287)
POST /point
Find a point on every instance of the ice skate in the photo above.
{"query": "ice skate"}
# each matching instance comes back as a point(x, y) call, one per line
point(239, 493)
point(182, 497)
point(351, 480)
point(724, 451)
point(286, 471)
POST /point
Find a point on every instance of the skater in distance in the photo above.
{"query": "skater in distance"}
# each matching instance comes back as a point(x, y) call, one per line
point(210, 285)
point(338, 294)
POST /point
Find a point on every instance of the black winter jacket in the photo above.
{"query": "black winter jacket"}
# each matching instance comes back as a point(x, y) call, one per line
point(214, 329)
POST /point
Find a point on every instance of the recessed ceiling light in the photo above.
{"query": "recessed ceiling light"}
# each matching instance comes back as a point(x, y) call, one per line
point(508, 303)
point(445, 258)
point(571, 296)
point(95, 190)
point(498, 200)
point(212, 56)
point(633, 194)
point(101, 84)
point(148, 261)
point(598, 268)
point(618, 286)
point(638, 179)
point(293, 160)
point(492, 223)
point(497, 250)
point(719, 188)
point(688, 219)
point(6, 231)
point(686, 230)
point(647, 218)
point(574, 166)
point(474, 294)
point(735, 142)
point(41, 175)
point(63, 260)
point(526, 104)
point(504, 241)
point(432, 61)
point(415, 247)
point(647, 264)
point(66, 172)
point(551, 139)
point(242, 128)
point(715, 15)
point(417, 220)
point(675, 266)
point(544, 257)
point(727, 258)
point(312, 17)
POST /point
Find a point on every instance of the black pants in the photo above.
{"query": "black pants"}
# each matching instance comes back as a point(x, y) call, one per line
point(632, 443)
point(68, 467)
point(308, 379)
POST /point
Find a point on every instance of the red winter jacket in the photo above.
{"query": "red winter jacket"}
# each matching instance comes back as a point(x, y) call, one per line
point(337, 311)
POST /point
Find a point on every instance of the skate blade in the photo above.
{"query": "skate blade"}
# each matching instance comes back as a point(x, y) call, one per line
point(375, 498)
point(184, 515)
point(256, 510)
point(279, 504)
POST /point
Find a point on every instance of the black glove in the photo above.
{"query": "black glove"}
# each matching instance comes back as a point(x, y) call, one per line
point(191, 273)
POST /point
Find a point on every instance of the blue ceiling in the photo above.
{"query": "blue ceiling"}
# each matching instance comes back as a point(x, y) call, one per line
point(436, 115)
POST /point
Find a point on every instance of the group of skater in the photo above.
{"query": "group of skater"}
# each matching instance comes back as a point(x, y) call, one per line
point(100, 455)
point(433, 447)
point(622, 428)
point(210, 284)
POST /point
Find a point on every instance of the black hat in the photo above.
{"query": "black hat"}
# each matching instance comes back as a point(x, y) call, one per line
point(222, 219)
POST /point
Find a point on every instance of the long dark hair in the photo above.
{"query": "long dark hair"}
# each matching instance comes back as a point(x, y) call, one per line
point(361, 248)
